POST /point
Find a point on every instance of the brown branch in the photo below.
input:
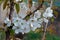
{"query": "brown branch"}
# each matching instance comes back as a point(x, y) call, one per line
point(44, 35)
point(11, 8)
point(10, 17)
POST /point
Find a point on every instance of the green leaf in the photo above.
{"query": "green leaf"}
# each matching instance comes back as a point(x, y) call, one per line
point(5, 4)
point(1, 1)
point(11, 32)
point(28, 16)
point(2, 35)
point(17, 7)
point(55, 13)
point(37, 36)
point(33, 36)
point(52, 19)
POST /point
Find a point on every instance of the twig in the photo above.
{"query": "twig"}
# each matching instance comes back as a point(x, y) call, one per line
point(43, 38)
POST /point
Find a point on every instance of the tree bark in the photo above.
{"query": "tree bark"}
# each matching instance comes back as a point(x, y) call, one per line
point(10, 17)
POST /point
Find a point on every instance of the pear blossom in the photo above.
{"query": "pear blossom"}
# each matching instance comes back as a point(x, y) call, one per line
point(15, 21)
point(23, 5)
point(37, 14)
point(18, 0)
point(22, 26)
point(48, 12)
point(17, 29)
point(27, 29)
point(40, 20)
point(33, 3)
point(33, 6)
point(33, 28)
point(7, 21)
point(33, 19)
point(33, 23)
point(23, 10)
point(45, 20)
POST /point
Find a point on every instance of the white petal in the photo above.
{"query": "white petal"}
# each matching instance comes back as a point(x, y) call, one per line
point(49, 8)
point(33, 19)
point(9, 24)
point(27, 29)
point(15, 19)
point(48, 12)
point(23, 10)
point(40, 20)
point(6, 20)
point(45, 20)
point(17, 0)
point(45, 15)
point(16, 24)
point(50, 15)
point(22, 13)
point(38, 25)
point(32, 25)
point(17, 31)
point(22, 32)
point(33, 28)
point(14, 27)
point(37, 14)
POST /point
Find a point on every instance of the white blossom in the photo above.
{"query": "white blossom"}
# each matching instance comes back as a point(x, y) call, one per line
point(23, 6)
point(45, 20)
point(33, 6)
point(48, 12)
point(17, 29)
point(37, 14)
point(23, 10)
point(35, 25)
point(22, 25)
point(40, 20)
point(7, 21)
point(18, 0)
point(27, 29)
point(33, 19)
point(32, 27)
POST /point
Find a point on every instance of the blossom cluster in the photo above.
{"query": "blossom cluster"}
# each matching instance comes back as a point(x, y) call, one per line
point(33, 23)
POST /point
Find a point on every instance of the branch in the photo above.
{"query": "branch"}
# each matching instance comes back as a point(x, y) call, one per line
point(11, 8)
point(40, 6)
point(43, 38)
point(10, 17)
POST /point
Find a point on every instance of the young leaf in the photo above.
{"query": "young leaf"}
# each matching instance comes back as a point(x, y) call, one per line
point(30, 3)
point(17, 7)
point(11, 32)
point(2, 35)
point(5, 4)
point(1, 1)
